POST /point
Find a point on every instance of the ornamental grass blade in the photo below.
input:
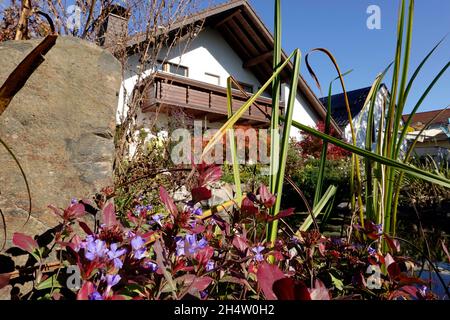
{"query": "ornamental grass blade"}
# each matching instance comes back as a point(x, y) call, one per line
point(285, 144)
point(232, 141)
point(329, 194)
point(408, 169)
point(323, 156)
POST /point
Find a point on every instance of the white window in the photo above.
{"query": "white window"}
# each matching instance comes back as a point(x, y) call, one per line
point(212, 78)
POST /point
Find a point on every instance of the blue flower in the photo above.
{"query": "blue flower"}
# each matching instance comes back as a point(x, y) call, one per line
point(203, 294)
point(138, 245)
point(258, 255)
point(95, 249)
point(379, 228)
point(95, 296)
point(193, 245)
point(180, 246)
point(423, 290)
point(210, 266)
point(74, 201)
point(112, 280)
point(157, 218)
point(115, 254)
point(151, 265)
point(372, 251)
point(198, 212)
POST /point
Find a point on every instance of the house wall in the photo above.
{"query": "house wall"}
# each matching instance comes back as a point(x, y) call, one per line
point(360, 120)
point(208, 53)
point(303, 113)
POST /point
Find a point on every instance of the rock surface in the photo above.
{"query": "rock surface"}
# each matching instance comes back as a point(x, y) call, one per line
point(60, 126)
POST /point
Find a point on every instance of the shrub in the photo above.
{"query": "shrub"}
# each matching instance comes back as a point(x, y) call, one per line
point(167, 250)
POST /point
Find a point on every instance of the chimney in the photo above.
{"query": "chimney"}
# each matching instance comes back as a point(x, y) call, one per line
point(114, 28)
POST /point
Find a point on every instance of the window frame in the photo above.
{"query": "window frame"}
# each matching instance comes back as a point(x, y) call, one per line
point(212, 75)
point(167, 68)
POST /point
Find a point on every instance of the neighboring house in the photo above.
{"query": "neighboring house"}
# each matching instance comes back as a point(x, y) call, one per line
point(435, 139)
point(231, 40)
point(359, 108)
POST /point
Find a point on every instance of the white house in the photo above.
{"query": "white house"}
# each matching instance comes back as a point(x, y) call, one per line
point(359, 103)
point(231, 40)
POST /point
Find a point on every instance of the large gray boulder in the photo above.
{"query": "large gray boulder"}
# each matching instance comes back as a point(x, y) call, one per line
point(60, 126)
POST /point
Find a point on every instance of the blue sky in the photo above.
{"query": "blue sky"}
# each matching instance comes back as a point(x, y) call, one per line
point(340, 26)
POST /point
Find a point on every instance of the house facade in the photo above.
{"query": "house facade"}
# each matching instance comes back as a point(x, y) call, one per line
point(231, 40)
point(433, 128)
point(359, 103)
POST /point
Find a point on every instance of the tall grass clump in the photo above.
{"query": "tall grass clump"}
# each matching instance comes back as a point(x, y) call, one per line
point(384, 166)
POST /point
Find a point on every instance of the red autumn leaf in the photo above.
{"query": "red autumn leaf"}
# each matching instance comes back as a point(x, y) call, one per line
point(281, 215)
point(248, 208)
point(240, 243)
point(209, 174)
point(198, 228)
point(181, 266)
point(392, 267)
point(109, 215)
point(201, 194)
point(393, 244)
point(267, 275)
point(267, 198)
point(194, 283)
point(25, 242)
point(132, 218)
point(288, 289)
point(74, 212)
point(320, 292)
point(202, 283)
point(85, 228)
point(168, 202)
point(4, 280)
point(86, 290)
point(404, 292)
point(203, 255)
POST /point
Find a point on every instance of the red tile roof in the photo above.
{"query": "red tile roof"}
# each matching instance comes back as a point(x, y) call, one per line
point(421, 119)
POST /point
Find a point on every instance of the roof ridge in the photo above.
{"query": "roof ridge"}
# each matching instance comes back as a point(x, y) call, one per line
point(430, 111)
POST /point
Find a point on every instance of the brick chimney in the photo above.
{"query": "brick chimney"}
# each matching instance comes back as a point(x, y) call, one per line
point(114, 28)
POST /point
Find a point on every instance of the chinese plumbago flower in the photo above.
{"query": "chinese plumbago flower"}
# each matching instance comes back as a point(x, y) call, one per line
point(258, 253)
point(138, 246)
point(153, 267)
point(114, 254)
point(372, 251)
point(210, 266)
point(95, 249)
point(95, 296)
point(189, 245)
point(111, 280)
point(156, 218)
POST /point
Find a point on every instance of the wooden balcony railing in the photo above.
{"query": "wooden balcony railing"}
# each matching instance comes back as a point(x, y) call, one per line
point(199, 98)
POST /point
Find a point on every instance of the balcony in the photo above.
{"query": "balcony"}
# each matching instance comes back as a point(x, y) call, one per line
point(200, 99)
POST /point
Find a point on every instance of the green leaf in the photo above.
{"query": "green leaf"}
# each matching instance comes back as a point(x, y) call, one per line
point(338, 284)
point(51, 282)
